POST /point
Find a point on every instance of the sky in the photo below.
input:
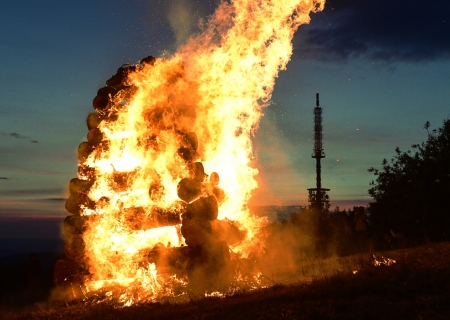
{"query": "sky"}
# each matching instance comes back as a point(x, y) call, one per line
point(382, 69)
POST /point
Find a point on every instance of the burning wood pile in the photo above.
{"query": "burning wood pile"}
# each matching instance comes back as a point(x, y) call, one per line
point(166, 174)
point(194, 217)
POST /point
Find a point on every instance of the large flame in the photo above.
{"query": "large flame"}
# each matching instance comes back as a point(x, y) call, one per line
point(216, 86)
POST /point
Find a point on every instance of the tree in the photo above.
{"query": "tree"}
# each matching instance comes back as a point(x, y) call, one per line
point(410, 191)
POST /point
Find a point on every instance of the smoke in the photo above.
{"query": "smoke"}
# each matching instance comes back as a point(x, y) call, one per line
point(181, 19)
point(288, 243)
point(278, 180)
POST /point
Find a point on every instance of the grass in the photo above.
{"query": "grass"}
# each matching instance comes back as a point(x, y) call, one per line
point(417, 286)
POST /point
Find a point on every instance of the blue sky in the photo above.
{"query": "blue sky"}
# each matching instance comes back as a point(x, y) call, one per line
point(382, 69)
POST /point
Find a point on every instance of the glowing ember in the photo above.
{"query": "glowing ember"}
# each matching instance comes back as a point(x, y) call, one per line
point(382, 261)
point(165, 177)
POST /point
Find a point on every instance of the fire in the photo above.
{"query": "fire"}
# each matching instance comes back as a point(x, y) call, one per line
point(173, 136)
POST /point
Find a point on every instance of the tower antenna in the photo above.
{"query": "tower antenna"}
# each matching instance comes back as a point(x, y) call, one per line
point(318, 196)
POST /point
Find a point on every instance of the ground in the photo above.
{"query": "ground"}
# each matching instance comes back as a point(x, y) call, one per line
point(416, 286)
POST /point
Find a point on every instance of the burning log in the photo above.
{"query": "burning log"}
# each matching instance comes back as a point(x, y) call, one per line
point(77, 185)
point(133, 217)
point(73, 225)
point(186, 154)
point(148, 60)
point(121, 76)
point(84, 150)
point(189, 189)
point(95, 136)
point(101, 102)
point(93, 120)
point(189, 145)
point(138, 219)
point(75, 203)
point(197, 171)
point(120, 180)
point(85, 171)
point(205, 208)
point(214, 178)
point(156, 190)
point(195, 232)
point(166, 217)
point(74, 247)
point(190, 141)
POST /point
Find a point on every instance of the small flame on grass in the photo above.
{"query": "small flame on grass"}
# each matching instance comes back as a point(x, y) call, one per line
point(382, 261)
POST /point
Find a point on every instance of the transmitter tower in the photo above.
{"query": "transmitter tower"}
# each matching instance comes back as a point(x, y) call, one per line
point(318, 196)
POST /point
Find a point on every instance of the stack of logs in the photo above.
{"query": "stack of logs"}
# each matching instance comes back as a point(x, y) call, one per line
point(70, 269)
point(201, 196)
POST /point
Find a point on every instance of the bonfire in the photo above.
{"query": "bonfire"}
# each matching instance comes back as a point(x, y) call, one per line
point(160, 202)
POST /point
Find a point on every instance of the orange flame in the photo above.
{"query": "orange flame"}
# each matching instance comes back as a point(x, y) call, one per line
point(216, 86)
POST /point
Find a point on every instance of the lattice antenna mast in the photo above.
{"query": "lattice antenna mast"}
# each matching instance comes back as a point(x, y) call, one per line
point(318, 143)
point(318, 196)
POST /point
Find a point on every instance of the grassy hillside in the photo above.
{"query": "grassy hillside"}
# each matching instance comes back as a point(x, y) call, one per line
point(416, 286)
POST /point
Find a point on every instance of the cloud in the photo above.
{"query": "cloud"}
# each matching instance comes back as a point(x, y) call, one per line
point(4, 178)
point(389, 31)
point(30, 192)
point(55, 199)
point(16, 135)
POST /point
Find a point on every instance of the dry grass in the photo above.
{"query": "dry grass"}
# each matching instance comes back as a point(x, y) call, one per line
point(417, 286)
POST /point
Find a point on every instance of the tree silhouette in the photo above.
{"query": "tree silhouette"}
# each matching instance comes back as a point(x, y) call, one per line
point(411, 190)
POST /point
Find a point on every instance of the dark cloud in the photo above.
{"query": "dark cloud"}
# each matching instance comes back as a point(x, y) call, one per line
point(30, 192)
point(389, 30)
point(55, 199)
point(16, 135)
point(4, 178)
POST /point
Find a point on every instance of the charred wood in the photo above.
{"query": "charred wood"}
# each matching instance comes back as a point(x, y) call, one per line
point(190, 141)
point(101, 103)
point(76, 202)
point(196, 232)
point(188, 189)
point(121, 75)
point(196, 171)
point(150, 60)
point(205, 208)
point(93, 120)
point(74, 247)
point(95, 136)
point(73, 225)
point(138, 218)
point(186, 154)
point(77, 185)
point(86, 172)
point(84, 150)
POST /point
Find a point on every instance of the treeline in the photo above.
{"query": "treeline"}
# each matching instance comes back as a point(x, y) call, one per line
point(411, 191)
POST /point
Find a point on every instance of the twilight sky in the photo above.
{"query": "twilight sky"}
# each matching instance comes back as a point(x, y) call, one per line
point(382, 69)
